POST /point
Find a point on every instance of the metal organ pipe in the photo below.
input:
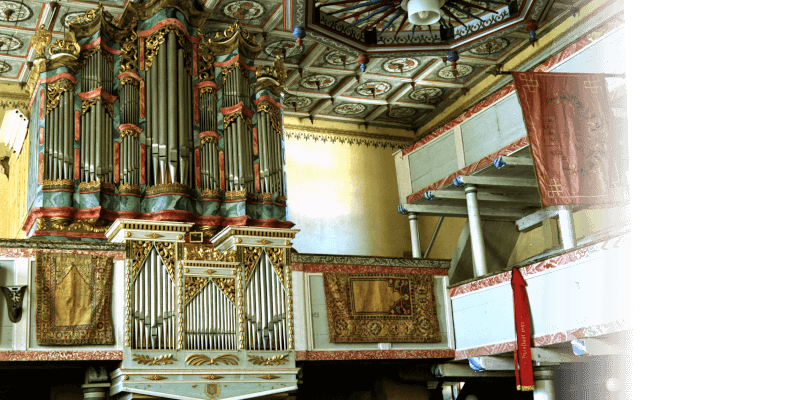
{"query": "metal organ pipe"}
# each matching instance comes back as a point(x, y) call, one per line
point(161, 59)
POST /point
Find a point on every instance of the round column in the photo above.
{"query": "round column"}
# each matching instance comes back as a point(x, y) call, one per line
point(545, 389)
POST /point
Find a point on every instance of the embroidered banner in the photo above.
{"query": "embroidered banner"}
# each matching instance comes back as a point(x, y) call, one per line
point(523, 360)
point(73, 299)
point(567, 118)
point(370, 308)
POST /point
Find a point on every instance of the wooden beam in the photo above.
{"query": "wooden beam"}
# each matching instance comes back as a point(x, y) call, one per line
point(594, 347)
point(529, 221)
point(502, 161)
point(495, 182)
point(434, 195)
point(455, 211)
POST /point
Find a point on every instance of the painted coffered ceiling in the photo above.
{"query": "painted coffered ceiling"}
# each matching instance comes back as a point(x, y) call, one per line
point(406, 81)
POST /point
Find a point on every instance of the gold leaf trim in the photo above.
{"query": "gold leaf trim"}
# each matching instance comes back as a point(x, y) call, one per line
point(268, 376)
point(275, 360)
point(202, 359)
point(212, 377)
point(153, 235)
point(154, 377)
point(160, 360)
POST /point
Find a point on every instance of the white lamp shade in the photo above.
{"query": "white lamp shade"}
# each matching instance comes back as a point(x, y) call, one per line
point(424, 12)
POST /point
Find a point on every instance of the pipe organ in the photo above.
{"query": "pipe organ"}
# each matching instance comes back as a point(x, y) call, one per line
point(145, 117)
point(194, 310)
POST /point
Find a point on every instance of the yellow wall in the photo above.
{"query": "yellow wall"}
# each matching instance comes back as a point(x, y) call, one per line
point(343, 197)
point(13, 189)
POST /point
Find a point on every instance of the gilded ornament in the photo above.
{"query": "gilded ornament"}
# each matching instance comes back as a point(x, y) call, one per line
point(153, 44)
point(274, 114)
point(202, 253)
point(202, 359)
point(193, 286)
point(153, 235)
point(207, 89)
point(210, 271)
point(125, 377)
point(65, 46)
point(40, 40)
point(212, 377)
point(129, 53)
point(168, 255)
point(227, 286)
point(129, 132)
point(154, 377)
point(275, 360)
point(137, 251)
point(272, 77)
point(128, 80)
point(268, 376)
point(160, 360)
point(88, 17)
point(63, 225)
point(55, 90)
point(263, 241)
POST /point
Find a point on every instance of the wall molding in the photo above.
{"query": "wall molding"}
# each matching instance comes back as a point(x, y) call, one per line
point(298, 132)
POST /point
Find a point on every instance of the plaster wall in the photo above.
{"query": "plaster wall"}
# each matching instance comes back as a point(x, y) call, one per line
point(343, 198)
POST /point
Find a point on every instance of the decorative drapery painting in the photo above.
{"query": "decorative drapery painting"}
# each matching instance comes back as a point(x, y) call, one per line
point(567, 119)
point(73, 299)
point(370, 308)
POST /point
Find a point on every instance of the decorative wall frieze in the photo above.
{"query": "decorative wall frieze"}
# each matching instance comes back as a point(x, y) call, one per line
point(299, 132)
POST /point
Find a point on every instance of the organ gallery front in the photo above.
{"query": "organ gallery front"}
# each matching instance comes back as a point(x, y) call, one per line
point(146, 118)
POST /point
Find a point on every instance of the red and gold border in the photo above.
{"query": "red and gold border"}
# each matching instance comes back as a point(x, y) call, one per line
point(15, 355)
point(372, 354)
point(366, 269)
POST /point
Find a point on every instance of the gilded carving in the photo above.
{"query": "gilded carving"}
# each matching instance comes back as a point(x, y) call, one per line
point(154, 377)
point(193, 286)
point(88, 103)
point(202, 359)
point(272, 78)
point(169, 188)
point(168, 255)
point(250, 257)
point(153, 44)
point(65, 46)
point(54, 91)
point(58, 183)
point(40, 40)
point(129, 53)
point(235, 37)
point(137, 251)
point(205, 61)
point(267, 376)
point(232, 117)
point(228, 286)
point(128, 80)
point(129, 132)
point(88, 186)
point(208, 139)
point(153, 235)
point(275, 360)
point(276, 257)
point(88, 17)
point(274, 114)
point(57, 224)
point(207, 89)
point(212, 377)
point(203, 253)
point(129, 187)
point(147, 360)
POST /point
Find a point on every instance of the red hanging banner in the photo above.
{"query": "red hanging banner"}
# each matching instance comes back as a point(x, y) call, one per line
point(567, 119)
point(523, 362)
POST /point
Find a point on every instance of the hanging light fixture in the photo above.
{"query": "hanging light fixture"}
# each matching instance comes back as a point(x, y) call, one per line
point(423, 12)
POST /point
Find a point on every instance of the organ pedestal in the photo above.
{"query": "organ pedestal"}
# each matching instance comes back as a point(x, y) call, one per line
point(147, 118)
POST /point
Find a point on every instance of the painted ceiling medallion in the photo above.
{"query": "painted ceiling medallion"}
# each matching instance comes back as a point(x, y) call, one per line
point(277, 48)
point(4, 67)
point(335, 58)
point(324, 81)
point(400, 65)
point(297, 101)
point(9, 43)
point(473, 11)
point(447, 72)
point(492, 47)
point(420, 94)
point(371, 89)
point(243, 9)
point(349, 109)
point(401, 112)
point(20, 12)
